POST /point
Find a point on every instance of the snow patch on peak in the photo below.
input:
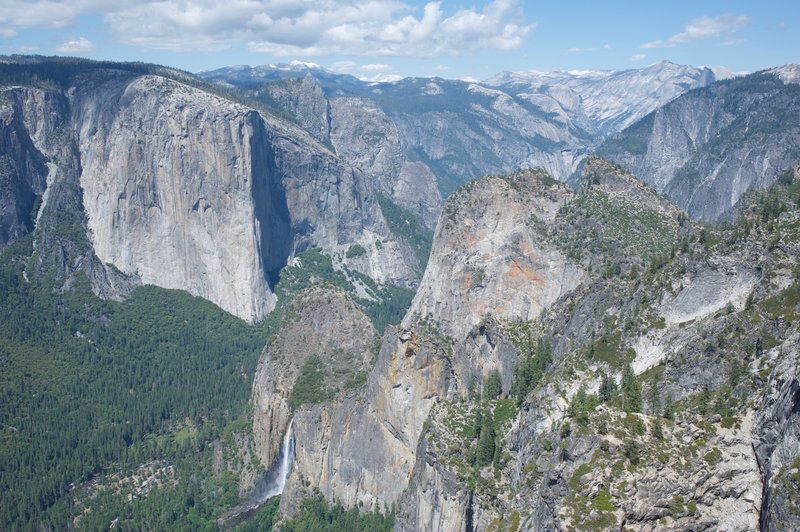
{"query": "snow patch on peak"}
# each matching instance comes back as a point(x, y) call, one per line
point(721, 72)
point(432, 89)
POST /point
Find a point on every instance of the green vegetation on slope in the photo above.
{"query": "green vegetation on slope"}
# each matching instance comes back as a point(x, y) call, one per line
point(90, 386)
point(405, 225)
point(387, 303)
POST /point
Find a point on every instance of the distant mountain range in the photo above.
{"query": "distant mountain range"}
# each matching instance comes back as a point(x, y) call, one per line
point(460, 130)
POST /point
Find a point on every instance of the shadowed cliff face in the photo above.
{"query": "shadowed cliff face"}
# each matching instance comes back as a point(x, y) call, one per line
point(273, 221)
point(26, 116)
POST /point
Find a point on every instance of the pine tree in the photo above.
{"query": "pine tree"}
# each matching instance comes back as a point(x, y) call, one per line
point(631, 391)
point(658, 430)
point(494, 385)
point(669, 408)
point(608, 387)
point(654, 397)
point(486, 441)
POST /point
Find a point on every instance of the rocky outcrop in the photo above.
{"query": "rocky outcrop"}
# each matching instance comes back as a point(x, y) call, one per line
point(324, 337)
point(489, 259)
point(708, 147)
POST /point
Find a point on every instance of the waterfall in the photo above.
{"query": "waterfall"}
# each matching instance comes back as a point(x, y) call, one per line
point(270, 486)
point(282, 468)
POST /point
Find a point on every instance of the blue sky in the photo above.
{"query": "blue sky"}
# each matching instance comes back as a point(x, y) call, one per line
point(377, 38)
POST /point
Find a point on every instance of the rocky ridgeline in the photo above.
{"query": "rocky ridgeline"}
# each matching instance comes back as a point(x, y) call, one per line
point(408, 134)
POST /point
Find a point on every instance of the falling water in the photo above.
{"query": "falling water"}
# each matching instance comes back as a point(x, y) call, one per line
point(270, 486)
point(275, 485)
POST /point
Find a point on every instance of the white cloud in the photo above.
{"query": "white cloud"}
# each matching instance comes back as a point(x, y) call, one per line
point(81, 44)
point(328, 27)
point(637, 57)
point(392, 32)
point(344, 66)
point(16, 14)
point(375, 67)
point(289, 27)
point(575, 49)
point(703, 28)
point(368, 72)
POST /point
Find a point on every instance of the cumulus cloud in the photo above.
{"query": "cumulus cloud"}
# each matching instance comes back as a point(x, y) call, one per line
point(81, 44)
point(288, 27)
point(703, 28)
point(393, 29)
point(637, 57)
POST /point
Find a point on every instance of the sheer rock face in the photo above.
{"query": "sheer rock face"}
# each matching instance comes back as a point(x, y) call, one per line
point(180, 192)
point(361, 448)
point(362, 134)
point(488, 259)
point(776, 440)
point(368, 139)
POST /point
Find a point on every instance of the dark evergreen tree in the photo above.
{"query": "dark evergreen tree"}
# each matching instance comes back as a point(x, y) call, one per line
point(494, 385)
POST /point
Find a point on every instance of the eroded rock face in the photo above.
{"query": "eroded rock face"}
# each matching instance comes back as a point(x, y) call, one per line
point(488, 258)
point(361, 448)
point(325, 329)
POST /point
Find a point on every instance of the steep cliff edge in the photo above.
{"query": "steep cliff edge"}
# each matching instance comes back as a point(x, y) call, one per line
point(487, 257)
